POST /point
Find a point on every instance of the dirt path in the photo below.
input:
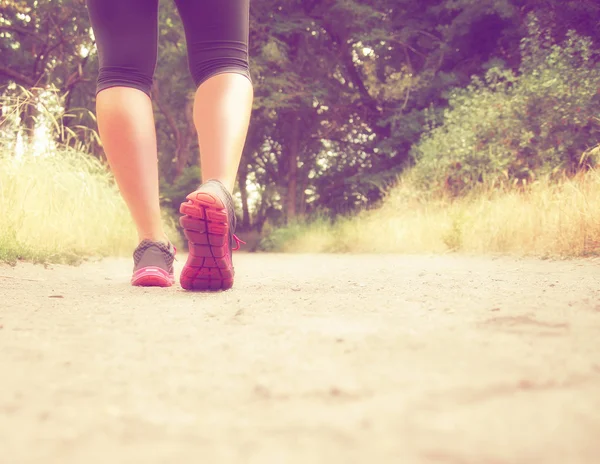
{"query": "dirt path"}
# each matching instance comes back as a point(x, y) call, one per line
point(309, 359)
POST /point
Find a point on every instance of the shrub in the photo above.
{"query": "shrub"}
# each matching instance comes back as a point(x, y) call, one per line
point(510, 128)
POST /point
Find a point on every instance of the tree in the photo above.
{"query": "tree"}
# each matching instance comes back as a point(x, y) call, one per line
point(344, 89)
point(47, 44)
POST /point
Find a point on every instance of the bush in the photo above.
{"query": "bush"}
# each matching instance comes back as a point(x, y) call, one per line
point(511, 128)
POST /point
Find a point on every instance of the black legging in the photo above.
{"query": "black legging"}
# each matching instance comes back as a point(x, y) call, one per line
point(126, 34)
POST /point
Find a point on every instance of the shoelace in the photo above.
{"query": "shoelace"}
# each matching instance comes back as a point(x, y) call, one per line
point(238, 241)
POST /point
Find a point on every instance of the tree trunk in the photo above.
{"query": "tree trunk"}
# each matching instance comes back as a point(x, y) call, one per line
point(302, 196)
point(28, 123)
point(186, 136)
point(292, 187)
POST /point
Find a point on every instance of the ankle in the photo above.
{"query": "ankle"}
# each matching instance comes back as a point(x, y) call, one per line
point(226, 185)
point(160, 237)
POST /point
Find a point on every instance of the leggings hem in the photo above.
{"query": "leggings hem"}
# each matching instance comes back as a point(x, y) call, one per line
point(225, 70)
point(129, 85)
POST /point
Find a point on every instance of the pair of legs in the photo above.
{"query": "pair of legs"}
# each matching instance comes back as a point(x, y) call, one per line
point(126, 33)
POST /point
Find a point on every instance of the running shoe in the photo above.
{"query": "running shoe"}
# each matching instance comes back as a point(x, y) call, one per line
point(153, 264)
point(208, 223)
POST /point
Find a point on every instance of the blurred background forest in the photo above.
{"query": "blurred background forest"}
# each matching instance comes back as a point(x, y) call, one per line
point(441, 98)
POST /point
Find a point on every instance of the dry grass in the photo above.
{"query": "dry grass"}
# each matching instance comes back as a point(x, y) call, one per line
point(61, 208)
point(546, 219)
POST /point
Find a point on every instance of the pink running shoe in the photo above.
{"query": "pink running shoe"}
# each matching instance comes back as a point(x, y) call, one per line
point(208, 222)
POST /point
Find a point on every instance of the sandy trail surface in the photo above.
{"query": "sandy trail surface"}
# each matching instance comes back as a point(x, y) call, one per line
point(309, 359)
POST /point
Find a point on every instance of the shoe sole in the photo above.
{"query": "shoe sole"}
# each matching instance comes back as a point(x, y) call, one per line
point(206, 227)
point(152, 277)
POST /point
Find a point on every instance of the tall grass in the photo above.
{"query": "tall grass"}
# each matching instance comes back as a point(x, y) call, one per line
point(57, 205)
point(499, 150)
point(545, 219)
point(60, 208)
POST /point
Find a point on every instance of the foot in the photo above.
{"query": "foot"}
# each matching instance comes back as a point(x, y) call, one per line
point(208, 222)
point(153, 264)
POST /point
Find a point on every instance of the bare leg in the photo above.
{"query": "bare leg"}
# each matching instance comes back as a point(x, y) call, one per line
point(126, 126)
point(222, 108)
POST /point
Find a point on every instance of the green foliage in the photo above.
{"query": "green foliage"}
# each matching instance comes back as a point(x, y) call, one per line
point(365, 78)
point(510, 128)
point(173, 194)
point(349, 192)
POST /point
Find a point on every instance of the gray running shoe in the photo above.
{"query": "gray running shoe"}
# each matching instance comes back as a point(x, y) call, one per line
point(153, 264)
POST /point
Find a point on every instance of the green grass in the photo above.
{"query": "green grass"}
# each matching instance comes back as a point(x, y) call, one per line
point(61, 208)
point(545, 219)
